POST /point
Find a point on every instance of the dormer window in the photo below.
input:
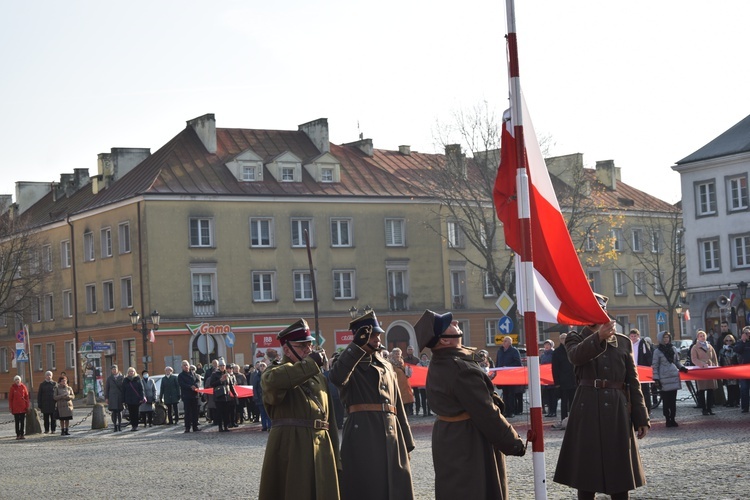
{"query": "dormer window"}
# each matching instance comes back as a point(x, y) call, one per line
point(286, 167)
point(324, 168)
point(247, 167)
point(287, 173)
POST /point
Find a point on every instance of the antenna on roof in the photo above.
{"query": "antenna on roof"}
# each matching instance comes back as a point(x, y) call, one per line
point(361, 135)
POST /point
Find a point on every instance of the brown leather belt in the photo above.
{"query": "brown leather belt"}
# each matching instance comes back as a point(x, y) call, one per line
point(384, 408)
point(458, 418)
point(298, 422)
point(601, 383)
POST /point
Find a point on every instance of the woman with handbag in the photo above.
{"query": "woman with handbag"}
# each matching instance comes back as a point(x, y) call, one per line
point(133, 395)
point(18, 402)
point(64, 398)
point(149, 391)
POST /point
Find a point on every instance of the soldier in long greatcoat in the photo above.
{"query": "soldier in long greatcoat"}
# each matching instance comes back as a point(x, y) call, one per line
point(470, 428)
point(377, 438)
point(301, 459)
point(599, 452)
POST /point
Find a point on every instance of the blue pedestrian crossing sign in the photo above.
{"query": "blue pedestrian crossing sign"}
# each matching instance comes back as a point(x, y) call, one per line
point(22, 355)
point(505, 325)
point(661, 318)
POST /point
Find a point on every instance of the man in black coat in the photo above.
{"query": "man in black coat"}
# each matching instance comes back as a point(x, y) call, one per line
point(508, 355)
point(46, 402)
point(564, 377)
point(189, 384)
point(643, 354)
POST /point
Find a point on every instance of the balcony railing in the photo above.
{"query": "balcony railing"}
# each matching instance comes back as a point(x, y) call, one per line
point(399, 302)
point(458, 302)
point(204, 308)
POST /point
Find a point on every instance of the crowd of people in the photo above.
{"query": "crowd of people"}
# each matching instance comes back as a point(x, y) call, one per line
point(300, 397)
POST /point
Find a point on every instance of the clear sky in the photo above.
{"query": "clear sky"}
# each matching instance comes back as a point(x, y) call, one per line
point(644, 83)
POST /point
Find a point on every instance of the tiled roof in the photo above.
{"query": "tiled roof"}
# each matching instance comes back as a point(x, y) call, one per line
point(733, 141)
point(183, 166)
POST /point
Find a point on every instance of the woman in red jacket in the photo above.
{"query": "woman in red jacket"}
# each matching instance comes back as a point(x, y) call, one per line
point(18, 399)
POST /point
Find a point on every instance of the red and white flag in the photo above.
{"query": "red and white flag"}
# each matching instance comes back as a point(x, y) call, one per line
point(687, 315)
point(151, 337)
point(562, 291)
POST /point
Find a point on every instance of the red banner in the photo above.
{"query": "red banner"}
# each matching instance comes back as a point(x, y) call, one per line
point(243, 391)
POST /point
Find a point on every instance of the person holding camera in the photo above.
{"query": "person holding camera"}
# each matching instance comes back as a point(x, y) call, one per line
point(301, 459)
point(377, 438)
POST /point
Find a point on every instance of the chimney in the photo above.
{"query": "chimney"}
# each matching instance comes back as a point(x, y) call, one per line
point(6, 200)
point(28, 193)
point(405, 150)
point(607, 174)
point(205, 127)
point(111, 167)
point(317, 131)
point(365, 145)
point(488, 160)
point(455, 159)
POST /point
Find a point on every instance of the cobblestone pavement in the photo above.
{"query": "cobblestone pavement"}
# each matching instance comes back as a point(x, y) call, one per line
point(704, 458)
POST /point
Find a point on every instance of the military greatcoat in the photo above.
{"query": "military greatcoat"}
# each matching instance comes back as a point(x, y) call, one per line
point(456, 384)
point(599, 451)
point(300, 462)
point(374, 444)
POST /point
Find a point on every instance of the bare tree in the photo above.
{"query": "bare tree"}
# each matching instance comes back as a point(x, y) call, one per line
point(21, 269)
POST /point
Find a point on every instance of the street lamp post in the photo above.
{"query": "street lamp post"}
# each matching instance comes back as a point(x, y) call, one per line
point(141, 324)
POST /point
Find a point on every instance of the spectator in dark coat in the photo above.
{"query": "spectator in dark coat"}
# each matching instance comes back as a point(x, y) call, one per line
point(133, 395)
point(644, 356)
point(742, 348)
point(189, 382)
point(549, 392)
point(169, 394)
point(564, 377)
point(45, 400)
point(508, 355)
point(113, 397)
point(265, 422)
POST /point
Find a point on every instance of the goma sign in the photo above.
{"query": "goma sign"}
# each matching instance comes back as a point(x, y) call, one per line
point(209, 329)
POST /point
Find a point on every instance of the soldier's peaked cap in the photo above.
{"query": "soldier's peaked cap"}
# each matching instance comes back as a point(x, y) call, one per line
point(365, 320)
point(430, 327)
point(297, 332)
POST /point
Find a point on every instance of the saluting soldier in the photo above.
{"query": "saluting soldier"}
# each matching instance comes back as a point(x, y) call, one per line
point(377, 438)
point(301, 459)
point(470, 428)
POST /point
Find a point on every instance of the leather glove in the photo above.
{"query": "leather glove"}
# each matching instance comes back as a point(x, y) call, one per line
point(657, 383)
point(684, 369)
point(362, 336)
point(520, 451)
point(319, 357)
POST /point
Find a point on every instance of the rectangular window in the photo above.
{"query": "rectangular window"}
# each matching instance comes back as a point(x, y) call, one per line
point(36, 310)
point(624, 322)
point(656, 241)
point(595, 280)
point(65, 261)
point(129, 352)
point(70, 354)
point(458, 289)
point(108, 295)
point(123, 235)
point(287, 174)
point(397, 290)
point(263, 287)
point(204, 299)
point(343, 284)
point(639, 282)
point(90, 299)
point(710, 255)
point(705, 198)
point(34, 262)
point(106, 242)
point(299, 226)
point(341, 233)
point(88, 247)
point(261, 233)
point(617, 239)
point(740, 251)
point(38, 361)
point(620, 283)
point(394, 232)
point(67, 297)
point(302, 285)
point(51, 362)
point(47, 258)
point(201, 232)
point(326, 175)
point(737, 193)
point(248, 173)
point(49, 313)
point(641, 321)
point(4, 359)
point(489, 290)
point(637, 240)
point(658, 282)
point(126, 293)
point(490, 330)
point(590, 242)
point(455, 235)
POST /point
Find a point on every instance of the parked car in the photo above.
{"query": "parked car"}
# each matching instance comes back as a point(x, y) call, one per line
point(683, 347)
